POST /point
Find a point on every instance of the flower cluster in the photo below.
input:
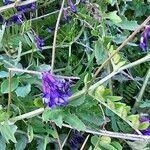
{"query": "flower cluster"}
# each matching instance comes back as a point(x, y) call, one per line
point(39, 42)
point(66, 11)
point(144, 38)
point(55, 92)
point(76, 139)
point(21, 10)
point(146, 131)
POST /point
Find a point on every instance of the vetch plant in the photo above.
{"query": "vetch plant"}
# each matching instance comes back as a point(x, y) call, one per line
point(96, 51)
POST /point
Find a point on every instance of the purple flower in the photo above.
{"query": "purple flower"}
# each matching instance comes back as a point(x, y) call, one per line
point(66, 17)
point(146, 131)
point(39, 42)
point(144, 38)
point(49, 29)
point(76, 139)
point(17, 18)
point(6, 2)
point(72, 6)
point(55, 92)
point(25, 8)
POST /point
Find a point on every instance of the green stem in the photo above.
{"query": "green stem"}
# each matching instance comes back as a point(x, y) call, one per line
point(141, 91)
point(55, 36)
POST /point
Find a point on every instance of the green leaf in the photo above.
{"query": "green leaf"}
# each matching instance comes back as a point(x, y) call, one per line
point(113, 17)
point(75, 122)
point(144, 126)
point(145, 104)
point(30, 133)
point(40, 144)
point(14, 85)
point(89, 116)
point(117, 145)
point(3, 74)
point(113, 120)
point(128, 25)
point(21, 143)
point(8, 132)
point(2, 143)
point(4, 116)
point(55, 115)
point(134, 120)
point(138, 145)
point(105, 139)
point(107, 146)
point(23, 91)
point(77, 102)
point(114, 98)
point(38, 102)
point(99, 52)
point(94, 139)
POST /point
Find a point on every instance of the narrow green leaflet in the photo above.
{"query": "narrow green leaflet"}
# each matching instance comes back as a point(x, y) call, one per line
point(113, 17)
point(128, 25)
point(145, 104)
point(100, 54)
point(144, 126)
point(75, 122)
point(8, 132)
point(40, 144)
point(30, 133)
point(21, 143)
point(23, 91)
point(55, 115)
point(107, 146)
point(77, 102)
point(14, 85)
point(117, 145)
point(2, 143)
point(3, 74)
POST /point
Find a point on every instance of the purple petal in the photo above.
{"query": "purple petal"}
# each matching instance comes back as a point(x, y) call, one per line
point(55, 92)
point(72, 6)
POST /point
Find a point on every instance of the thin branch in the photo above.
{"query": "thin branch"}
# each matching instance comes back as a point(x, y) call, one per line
point(133, 137)
point(39, 73)
point(58, 139)
point(141, 91)
point(46, 15)
point(55, 36)
point(120, 47)
point(142, 60)
point(27, 115)
point(85, 141)
point(66, 138)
